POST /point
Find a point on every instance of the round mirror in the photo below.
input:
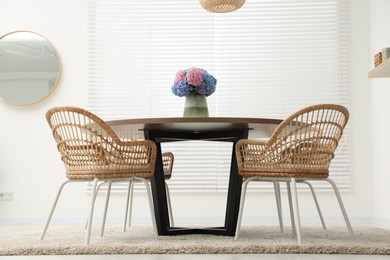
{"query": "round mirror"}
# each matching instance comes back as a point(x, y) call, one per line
point(29, 68)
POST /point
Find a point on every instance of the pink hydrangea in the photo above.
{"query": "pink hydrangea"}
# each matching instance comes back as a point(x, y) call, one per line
point(180, 75)
point(195, 76)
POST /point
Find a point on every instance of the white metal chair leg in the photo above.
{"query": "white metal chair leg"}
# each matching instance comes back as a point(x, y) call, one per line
point(53, 208)
point(296, 210)
point(150, 199)
point(242, 201)
point(336, 191)
point(97, 192)
point(129, 203)
point(94, 191)
point(109, 184)
point(316, 202)
point(291, 208)
point(278, 204)
point(172, 223)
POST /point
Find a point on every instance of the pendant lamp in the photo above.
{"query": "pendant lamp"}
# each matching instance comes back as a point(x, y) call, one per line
point(221, 6)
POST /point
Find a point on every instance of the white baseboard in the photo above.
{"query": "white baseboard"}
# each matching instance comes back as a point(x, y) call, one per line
point(379, 222)
point(217, 221)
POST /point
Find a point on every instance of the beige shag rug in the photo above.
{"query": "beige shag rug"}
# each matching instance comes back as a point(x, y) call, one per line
point(69, 240)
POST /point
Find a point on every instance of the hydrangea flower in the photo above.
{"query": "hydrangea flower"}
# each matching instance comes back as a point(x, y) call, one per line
point(193, 79)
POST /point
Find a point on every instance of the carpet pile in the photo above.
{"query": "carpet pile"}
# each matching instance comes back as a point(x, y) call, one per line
point(69, 240)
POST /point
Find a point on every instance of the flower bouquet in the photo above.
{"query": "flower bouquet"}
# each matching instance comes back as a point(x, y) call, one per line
point(195, 84)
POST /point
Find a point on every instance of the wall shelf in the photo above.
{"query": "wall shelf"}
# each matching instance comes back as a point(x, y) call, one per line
point(381, 71)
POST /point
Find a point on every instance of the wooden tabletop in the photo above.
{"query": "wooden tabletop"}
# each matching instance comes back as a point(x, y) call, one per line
point(132, 128)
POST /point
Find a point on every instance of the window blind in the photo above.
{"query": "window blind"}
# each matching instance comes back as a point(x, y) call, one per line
point(270, 58)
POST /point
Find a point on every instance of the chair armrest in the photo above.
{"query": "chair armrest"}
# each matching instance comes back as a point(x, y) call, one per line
point(253, 153)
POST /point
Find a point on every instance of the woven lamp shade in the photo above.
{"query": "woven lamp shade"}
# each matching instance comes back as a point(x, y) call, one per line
point(221, 6)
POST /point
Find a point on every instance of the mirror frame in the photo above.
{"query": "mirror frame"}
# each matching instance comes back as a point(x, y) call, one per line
point(58, 75)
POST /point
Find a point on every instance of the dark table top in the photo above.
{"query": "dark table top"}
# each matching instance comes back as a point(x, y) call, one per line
point(132, 128)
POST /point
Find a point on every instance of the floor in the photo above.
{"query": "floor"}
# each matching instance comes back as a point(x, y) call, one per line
point(196, 257)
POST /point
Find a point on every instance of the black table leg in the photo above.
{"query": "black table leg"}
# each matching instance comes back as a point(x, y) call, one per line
point(233, 196)
point(159, 192)
point(157, 183)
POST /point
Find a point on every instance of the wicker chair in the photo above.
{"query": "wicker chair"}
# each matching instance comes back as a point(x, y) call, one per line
point(167, 160)
point(300, 150)
point(92, 152)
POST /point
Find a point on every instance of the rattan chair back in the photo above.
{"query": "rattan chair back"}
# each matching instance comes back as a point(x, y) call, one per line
point(302, 145)
point(90, 149)
point(167, 160)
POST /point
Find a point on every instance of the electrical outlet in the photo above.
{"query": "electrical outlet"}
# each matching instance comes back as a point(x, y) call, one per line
point(6, 195)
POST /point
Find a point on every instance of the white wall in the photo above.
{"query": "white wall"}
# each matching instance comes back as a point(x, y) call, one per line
point(380, 91)
point(30, 165)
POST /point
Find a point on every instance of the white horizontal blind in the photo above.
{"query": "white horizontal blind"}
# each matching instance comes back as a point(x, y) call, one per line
point(270, 59)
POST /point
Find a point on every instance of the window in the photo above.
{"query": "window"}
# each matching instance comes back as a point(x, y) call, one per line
point(270, 58)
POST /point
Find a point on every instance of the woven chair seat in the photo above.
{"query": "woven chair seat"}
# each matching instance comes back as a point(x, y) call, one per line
point(287, 173)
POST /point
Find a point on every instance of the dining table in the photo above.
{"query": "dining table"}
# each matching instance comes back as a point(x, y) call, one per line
point(176, 129)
